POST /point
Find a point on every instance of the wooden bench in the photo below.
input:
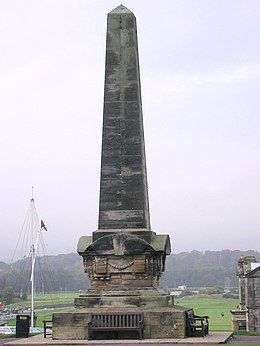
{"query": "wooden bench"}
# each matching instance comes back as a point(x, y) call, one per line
point(116, 322)
point(196, 325)
point(47, 327)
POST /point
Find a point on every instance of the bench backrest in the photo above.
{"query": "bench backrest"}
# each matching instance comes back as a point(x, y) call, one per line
point(190, 314)
point(111, 320)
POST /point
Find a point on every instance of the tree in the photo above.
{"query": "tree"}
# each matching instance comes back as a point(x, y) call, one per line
point(7, 295)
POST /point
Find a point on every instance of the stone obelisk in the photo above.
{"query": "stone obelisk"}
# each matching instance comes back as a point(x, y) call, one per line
point(123, 258)
point(123, 186)
point(123, 254)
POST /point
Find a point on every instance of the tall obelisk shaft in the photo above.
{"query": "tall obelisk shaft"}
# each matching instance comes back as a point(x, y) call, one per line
point(123, 253)
point(123, 185)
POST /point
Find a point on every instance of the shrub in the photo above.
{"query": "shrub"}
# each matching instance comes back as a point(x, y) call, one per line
point(186, 293)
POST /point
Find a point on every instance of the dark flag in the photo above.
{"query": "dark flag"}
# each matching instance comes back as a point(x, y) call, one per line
point(43, 226)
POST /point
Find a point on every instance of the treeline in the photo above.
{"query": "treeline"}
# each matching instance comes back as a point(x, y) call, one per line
point(204, 269)
point(65, 272)
point(52, 274)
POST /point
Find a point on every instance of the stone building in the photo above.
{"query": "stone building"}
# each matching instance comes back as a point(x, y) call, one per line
point(248, 315)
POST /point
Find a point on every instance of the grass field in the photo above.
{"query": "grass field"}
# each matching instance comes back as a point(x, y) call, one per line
point(48, 300)
point(45, 305)
point(54, 299)
point(217, 308)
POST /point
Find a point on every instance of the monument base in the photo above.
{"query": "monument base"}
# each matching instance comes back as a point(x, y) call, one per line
point(162, 319)
point(159, 323)
point(130, 298)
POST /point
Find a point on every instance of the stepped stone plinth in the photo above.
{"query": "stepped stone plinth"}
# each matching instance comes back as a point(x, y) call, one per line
point(123, 258)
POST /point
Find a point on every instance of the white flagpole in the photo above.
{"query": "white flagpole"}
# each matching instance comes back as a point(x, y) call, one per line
point(34, 253)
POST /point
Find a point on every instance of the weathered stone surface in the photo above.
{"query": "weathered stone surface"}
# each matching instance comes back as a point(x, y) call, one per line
point(159, 323)
point(248, 272)
point(144, 298)
point(110, 255)
point(123, 190)
point(124, 259)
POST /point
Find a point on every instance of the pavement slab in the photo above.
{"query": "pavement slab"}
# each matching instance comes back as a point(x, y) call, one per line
point(38, 340)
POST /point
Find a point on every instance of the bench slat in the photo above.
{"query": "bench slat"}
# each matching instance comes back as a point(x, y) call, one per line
point(116, 322)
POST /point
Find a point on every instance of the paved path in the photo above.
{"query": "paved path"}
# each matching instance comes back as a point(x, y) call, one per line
point(212, 338)
point(3, 341)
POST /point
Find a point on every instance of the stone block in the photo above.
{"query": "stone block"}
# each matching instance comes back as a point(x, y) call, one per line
point(159, 323)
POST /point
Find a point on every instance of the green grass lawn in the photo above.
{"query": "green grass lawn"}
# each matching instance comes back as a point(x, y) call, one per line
point(47, 300)
point(52, 299)
point(41, 315)
point(49, 304)
point(214, 307)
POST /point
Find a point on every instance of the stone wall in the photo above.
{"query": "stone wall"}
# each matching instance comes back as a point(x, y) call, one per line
point(248, 272)
point(159, 323)
point(253, 303)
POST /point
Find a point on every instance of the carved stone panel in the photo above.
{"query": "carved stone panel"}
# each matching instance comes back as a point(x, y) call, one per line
point(139, 264)
point(101, 265)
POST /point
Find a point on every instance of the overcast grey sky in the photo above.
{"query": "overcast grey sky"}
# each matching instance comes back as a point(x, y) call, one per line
point(200, 74)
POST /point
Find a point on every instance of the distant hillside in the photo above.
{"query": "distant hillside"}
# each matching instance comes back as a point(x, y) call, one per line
point(52, 274)
point(208, 269)
point(65, 272)
point(3, 266)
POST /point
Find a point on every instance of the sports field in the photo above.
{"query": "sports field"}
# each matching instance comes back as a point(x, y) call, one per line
point(217, 308)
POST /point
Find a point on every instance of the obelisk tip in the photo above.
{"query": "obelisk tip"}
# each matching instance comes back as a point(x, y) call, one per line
point(121, 9)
